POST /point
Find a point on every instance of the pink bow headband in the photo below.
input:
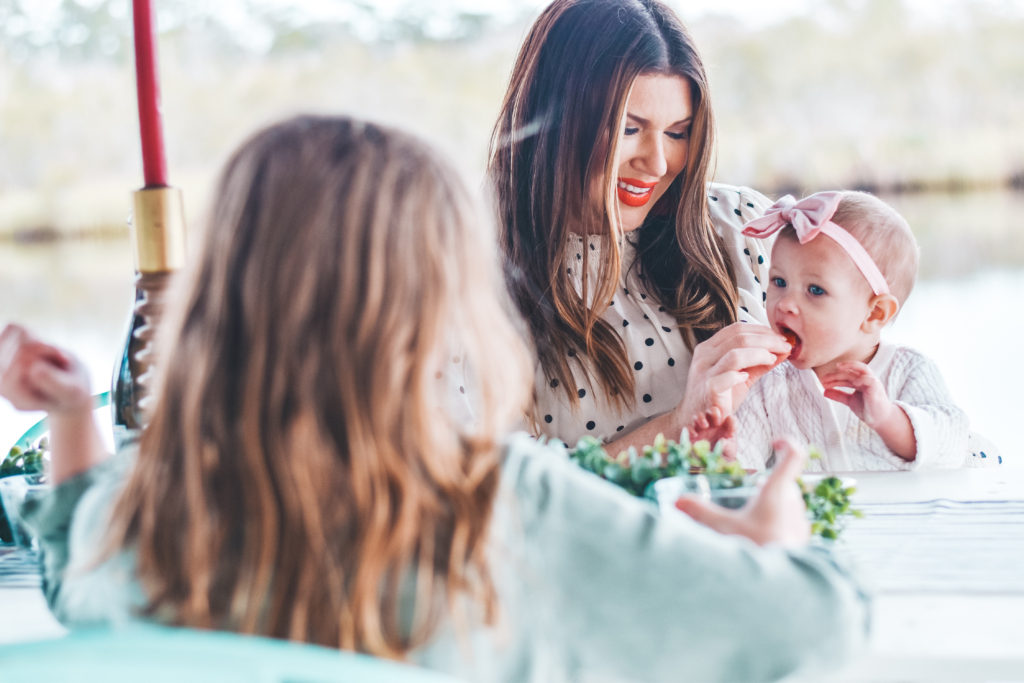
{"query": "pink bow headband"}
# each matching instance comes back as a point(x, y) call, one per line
point(811, 216)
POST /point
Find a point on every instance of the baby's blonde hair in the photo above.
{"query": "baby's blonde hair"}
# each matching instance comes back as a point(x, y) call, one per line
point(886, 236)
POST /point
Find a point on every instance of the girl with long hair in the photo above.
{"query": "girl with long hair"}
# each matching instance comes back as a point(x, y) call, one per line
point(304, 476)
point(627, 265)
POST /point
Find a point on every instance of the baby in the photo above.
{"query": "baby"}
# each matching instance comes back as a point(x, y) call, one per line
point(842, 265)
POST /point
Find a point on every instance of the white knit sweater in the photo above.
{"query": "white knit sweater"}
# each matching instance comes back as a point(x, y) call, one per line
point(790, 402)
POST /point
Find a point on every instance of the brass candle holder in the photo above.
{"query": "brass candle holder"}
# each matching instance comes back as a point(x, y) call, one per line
point(158, 236)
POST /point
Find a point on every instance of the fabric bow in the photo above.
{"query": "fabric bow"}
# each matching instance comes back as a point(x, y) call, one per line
point(807, 216)
point(810, 217)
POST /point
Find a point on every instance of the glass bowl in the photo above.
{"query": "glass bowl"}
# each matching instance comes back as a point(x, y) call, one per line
point(14, 491)
point(724, 490)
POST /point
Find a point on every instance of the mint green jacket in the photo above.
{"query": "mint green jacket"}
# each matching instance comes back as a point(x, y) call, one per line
point(593, 584)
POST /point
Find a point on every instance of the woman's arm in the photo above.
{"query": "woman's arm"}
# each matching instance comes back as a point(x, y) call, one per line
point(722, 371)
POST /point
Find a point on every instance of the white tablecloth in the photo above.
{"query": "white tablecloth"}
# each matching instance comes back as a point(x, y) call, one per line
point(943, 553)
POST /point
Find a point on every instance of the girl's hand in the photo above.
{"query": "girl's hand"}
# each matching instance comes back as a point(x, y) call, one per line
point(725, 367)
point(38, 376)
point(712, 426)
point(776, 515)
point(868, 400)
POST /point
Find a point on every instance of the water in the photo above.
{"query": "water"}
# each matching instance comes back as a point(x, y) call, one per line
point(79, 294)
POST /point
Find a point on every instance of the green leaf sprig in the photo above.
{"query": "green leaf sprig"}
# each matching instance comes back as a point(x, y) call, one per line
point(828, 502)
point(25, 460)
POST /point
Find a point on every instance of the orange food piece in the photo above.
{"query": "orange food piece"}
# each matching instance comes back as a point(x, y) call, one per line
point(790, 336)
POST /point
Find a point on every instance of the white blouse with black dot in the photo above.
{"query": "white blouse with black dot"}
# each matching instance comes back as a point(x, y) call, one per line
point(654, 344)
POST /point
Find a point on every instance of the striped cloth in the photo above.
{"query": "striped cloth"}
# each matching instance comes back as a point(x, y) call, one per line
point(938, 546)
point(19, 568)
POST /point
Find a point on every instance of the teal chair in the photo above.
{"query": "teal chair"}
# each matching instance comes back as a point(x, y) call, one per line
point(158, 654)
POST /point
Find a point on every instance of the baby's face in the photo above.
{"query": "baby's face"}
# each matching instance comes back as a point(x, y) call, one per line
point(816, 293)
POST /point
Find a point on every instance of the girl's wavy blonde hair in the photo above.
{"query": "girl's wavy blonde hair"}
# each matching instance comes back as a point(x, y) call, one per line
point(300, 471)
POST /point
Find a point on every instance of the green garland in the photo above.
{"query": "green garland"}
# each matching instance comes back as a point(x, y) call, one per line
point(635, 471)
point(828, 500)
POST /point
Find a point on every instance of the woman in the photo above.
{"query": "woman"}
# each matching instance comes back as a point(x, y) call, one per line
point(301, 478)
point(627, 266)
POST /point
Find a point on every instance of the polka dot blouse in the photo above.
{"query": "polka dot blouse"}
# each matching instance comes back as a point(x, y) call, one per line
point(654, 345)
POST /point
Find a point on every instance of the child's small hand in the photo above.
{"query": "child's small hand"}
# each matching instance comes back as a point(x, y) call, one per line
point(868, 400)
point(712, 426)
point(38, 376)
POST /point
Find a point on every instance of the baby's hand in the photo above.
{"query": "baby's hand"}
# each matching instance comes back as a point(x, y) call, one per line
point(868, 399)
point(712, 426)
point(37, 376)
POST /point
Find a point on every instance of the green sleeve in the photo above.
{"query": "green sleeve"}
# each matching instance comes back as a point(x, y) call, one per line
point(55, 519)
point(642, 596)
point(49, 519)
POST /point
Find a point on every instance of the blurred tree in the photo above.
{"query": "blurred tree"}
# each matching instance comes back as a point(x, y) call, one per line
point(862, 92)
point(74, 30)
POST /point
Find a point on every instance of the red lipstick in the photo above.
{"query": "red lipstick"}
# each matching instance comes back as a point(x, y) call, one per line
point(633, 192)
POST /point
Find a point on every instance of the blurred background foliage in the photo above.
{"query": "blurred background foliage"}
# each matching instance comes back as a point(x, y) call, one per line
point(843, 94)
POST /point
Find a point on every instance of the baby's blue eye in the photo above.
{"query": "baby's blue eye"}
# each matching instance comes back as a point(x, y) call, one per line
point(778, 282)
point(815, 290)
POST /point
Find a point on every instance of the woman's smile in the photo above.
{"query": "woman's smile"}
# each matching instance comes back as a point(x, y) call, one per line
point(633, 192)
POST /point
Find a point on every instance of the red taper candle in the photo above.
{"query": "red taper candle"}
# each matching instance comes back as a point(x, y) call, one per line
point(154, 163)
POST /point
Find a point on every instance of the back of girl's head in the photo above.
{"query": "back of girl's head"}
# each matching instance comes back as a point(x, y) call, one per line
point(886, 236)
point(299, 458)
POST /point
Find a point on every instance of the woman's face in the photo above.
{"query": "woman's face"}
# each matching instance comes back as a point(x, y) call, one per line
point(654, 144)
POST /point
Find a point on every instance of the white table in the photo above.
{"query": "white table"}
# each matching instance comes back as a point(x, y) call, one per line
point(949, 600)
point(25, 616)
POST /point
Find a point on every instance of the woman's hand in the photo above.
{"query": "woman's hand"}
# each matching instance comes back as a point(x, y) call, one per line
point(725, 367)
point(776, 515)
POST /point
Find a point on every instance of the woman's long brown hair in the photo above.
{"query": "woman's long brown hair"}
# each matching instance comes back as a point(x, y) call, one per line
point(300, 471)
point(555, 142)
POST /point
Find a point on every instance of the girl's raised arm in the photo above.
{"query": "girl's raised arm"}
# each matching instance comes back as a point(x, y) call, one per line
point(37, 376)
